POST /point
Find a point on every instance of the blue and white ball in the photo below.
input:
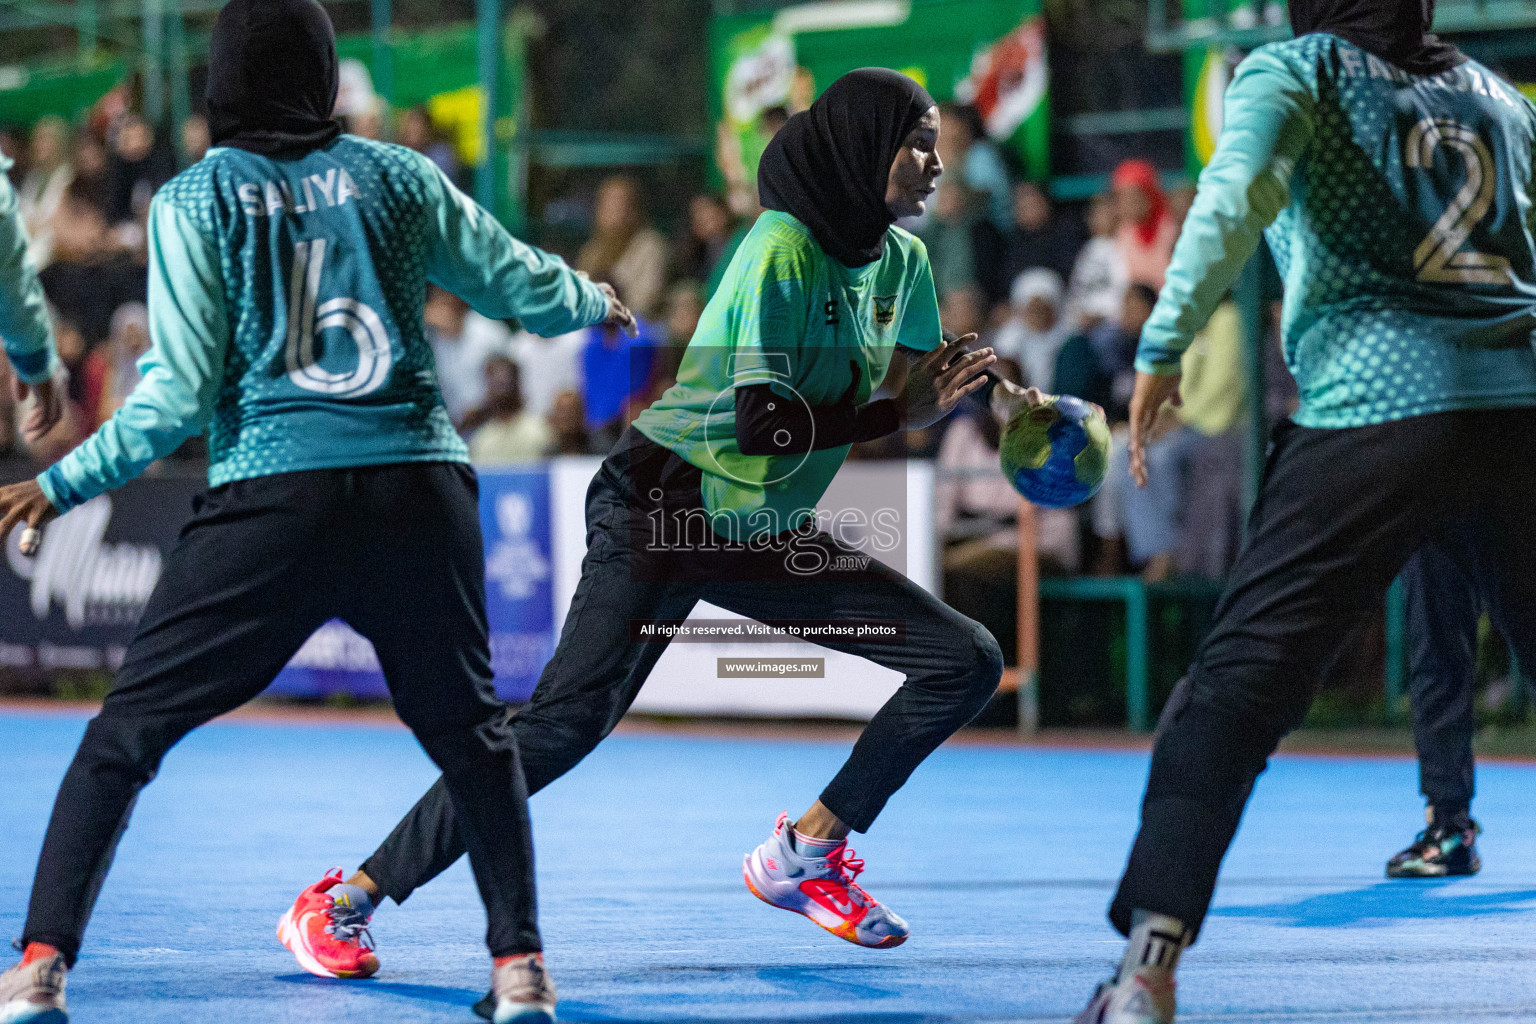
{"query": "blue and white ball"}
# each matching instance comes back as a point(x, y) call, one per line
point(1055, 453)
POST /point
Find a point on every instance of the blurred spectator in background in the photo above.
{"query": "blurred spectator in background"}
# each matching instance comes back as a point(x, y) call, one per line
point(1038, 236)
point(963, 311)
point(1097, 365)
point(89, 277)
point(90, 169)
point(624, 250)
point(684, 308)
point(13, 147)
point(568, 427)
point(15, 464)
point(1186, 522)
point(73, 348)
point(949, 233)
point(111, 371)
point(548, 366)
point(1114, 344)
point(1215, 399)
point(972, 159)
point(1098, 279)
point(195, 139)
point(49, 173)
point(417, 131)
point(616, 372)
point(1180, 199)
point(1079, 372)
point(1147, 231)
point(137, 167)
point(367, 120)
point(504, 432)
point(708, 237)
point(1035, 330)
point(462, 342)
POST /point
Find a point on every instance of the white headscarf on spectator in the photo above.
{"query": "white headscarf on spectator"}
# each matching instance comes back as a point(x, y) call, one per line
point(1034, 351)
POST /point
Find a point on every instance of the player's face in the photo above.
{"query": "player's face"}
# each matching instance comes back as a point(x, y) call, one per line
point(916, 167)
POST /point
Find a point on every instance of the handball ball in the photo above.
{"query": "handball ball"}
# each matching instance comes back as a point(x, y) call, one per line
point(1055, 453)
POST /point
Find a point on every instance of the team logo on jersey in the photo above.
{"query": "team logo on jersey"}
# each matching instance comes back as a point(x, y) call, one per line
point(885, 310)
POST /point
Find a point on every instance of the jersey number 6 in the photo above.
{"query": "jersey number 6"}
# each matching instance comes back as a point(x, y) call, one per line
point(305, 321)
point(1440, 258)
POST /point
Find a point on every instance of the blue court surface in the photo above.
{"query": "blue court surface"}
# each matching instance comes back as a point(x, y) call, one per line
point(1002, 859)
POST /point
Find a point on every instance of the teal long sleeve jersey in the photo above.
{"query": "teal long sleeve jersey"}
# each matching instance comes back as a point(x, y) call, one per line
point(1399, 209)
point(285, 302)
point(24, 326)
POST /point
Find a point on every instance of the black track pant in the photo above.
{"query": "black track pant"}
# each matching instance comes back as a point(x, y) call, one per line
point(1339, 514)
point(395, 551)
point(1445, 591)
point(951, 664)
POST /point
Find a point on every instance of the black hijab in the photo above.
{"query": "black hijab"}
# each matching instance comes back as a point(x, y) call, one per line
point(827, 167)
point(1397, 31)
point(272, 77)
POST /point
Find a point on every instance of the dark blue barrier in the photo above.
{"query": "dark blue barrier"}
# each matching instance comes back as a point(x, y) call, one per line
point(75, 605)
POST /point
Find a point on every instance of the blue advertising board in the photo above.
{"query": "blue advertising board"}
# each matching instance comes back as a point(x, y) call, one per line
point(74, 606)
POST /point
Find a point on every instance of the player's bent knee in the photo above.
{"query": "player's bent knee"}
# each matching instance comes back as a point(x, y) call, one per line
point(128, 745)
point(984, 671)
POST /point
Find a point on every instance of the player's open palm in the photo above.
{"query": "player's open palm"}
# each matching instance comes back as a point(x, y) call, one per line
point(939, 380)
point(24, 503)
point(1152, 390)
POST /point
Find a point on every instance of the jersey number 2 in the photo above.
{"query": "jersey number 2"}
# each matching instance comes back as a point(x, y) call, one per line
point(305, 321)
point(1440, 257)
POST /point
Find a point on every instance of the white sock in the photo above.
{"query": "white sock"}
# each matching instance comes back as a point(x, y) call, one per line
point(1154, 947)
point(810, 846)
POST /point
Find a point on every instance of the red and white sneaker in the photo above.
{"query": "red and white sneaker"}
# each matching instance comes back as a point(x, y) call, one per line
point(326, 930)
point(822, 888)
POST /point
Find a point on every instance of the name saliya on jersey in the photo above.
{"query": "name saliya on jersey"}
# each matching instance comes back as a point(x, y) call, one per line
point(332, 188)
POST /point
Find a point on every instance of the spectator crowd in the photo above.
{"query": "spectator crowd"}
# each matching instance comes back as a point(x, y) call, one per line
point(1060, 293)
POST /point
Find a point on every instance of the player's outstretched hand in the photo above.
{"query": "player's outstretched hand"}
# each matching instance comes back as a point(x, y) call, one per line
point(938, 381)
point(1152, 390)
point(25, 503)
point(618, 313)
point(1008, 396)
point(47, 407)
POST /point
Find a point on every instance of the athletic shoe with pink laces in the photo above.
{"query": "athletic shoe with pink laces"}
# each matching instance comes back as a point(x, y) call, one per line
point(326, 929)
point(821, 887)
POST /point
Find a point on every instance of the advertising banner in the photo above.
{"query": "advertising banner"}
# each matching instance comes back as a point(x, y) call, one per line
point(75, 604)
point(990, 53)
point(884, 509)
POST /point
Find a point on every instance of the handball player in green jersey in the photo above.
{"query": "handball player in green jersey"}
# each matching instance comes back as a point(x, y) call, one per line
point(1394, 176)
point(712, 496)
point(287, 273)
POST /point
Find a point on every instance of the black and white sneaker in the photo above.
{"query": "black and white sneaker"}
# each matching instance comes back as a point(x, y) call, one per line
point(1438, 852)
point(1134, 1000)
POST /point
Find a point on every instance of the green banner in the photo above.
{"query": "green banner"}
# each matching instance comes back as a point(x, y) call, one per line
point(990, 53)
point(64, 88)
point(1206, 74)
